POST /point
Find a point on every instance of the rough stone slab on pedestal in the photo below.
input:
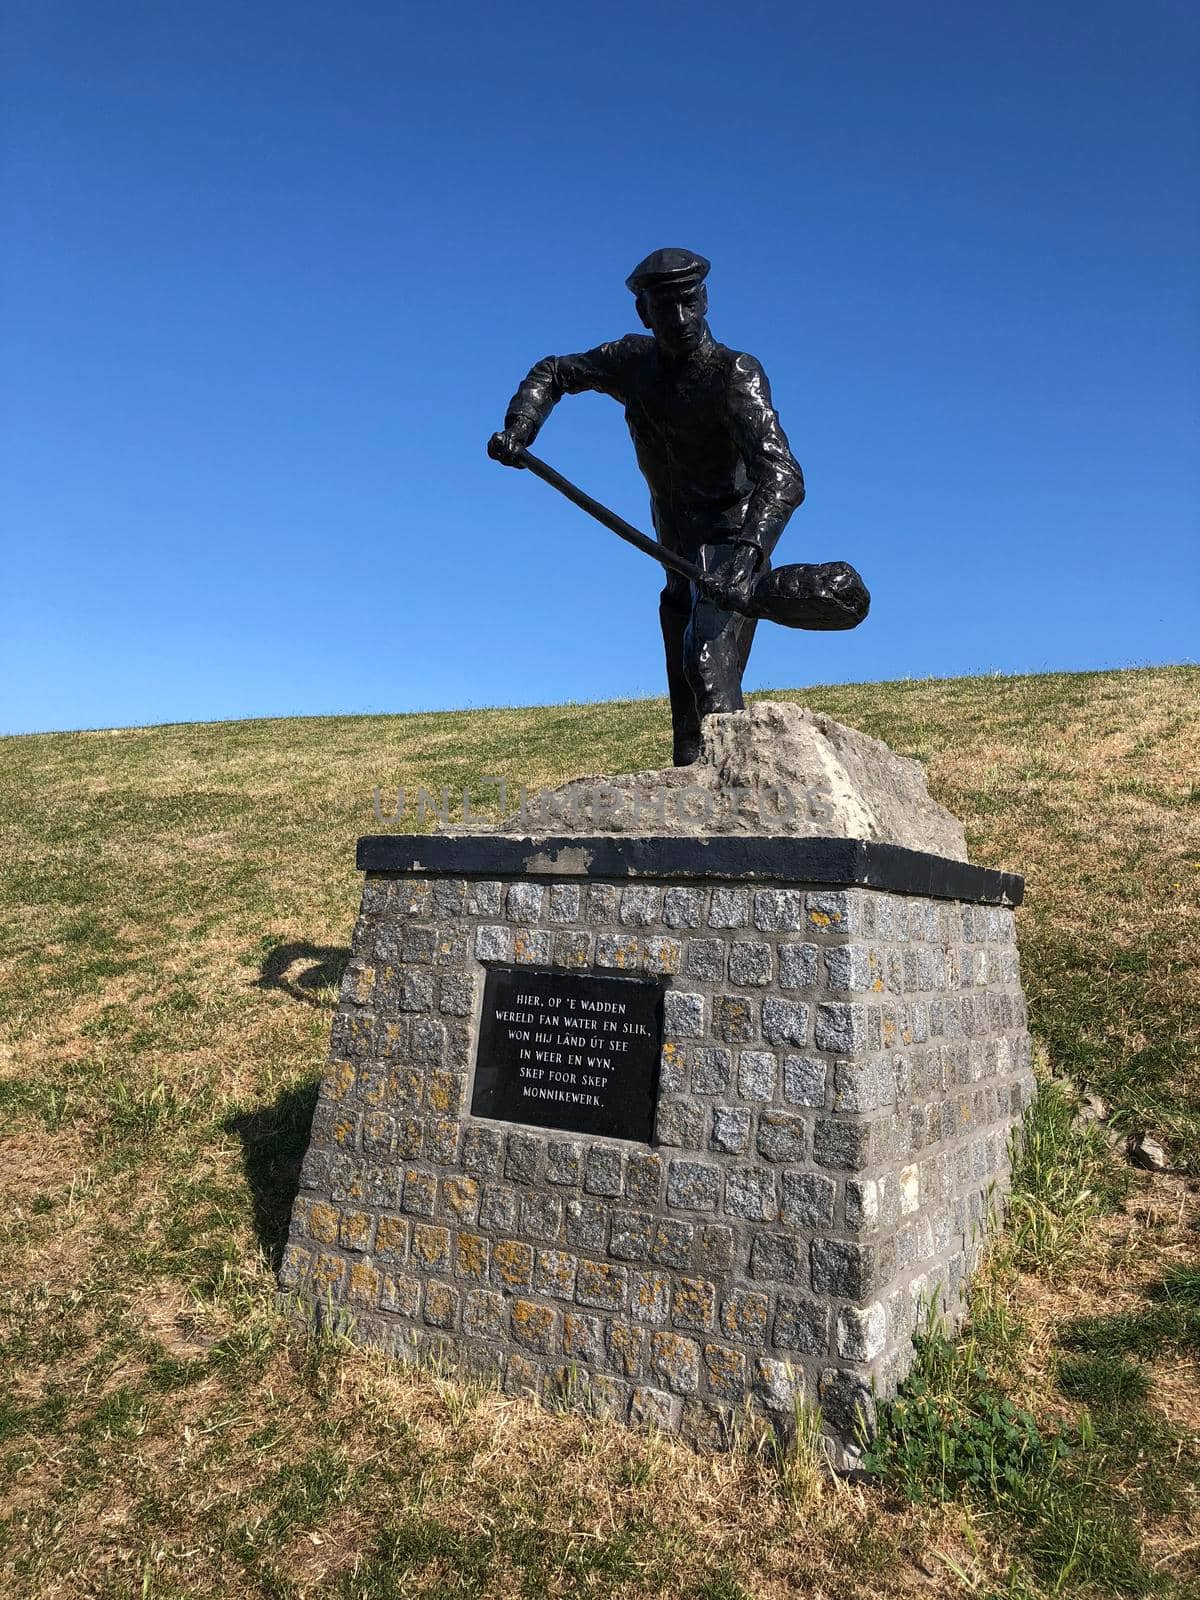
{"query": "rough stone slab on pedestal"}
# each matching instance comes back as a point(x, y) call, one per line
point(816, 778)
point(841, 1066)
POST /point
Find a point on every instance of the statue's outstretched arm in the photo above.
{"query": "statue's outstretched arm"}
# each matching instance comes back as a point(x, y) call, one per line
point(545, 384)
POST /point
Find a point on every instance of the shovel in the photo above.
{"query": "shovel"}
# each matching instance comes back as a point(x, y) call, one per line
point(826, 595)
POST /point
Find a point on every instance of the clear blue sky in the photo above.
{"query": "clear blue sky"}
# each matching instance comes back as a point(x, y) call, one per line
point(271, 272)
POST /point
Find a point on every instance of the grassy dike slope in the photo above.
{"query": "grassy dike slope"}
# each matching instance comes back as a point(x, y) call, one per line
point(177, 902)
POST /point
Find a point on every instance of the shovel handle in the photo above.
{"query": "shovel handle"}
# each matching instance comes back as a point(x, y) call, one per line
point(615, 524)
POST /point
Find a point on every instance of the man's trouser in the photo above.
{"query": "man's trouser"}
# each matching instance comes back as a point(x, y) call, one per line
point(707, 649)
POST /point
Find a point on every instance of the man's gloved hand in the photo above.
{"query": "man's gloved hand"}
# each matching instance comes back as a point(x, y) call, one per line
point(506, 445)
point(730, 584)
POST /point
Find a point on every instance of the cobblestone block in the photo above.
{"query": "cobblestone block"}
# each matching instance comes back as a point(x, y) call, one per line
point(862, 1204)
point(680, 1125)
point(650, 1297)
point(725, 1371)
point(733, 1018)
point(842, 1028)
point(605, 1170)
point(662, 955)
point(693, 1185)
point(417, 942)
point(714, 1248)
point(512, 1264)
point(391, 1240)
point(522, 1376)
point(602, 1286)
point(534, 1326)
point(675, 1361)
point(750, 964)
point(729, 908)
point(632, 1235)
point(843, 1268)
point(750, 1194)
point(583, 1336)
point(785, 1022)
point(774, 1382)
point(644, 1173)
point(565, 899)
point(356, 1230)
point(586, 1224)
point(449, 897)
point(798, 966)
point(541, 1216)
point(861, 1332)
point(843, 1144)
point(572, 948)
point(683, 1014)
point(564, 1161)
point(781, 1136)
point(730, 1130)
point(846, 1402)
point(808, 1199)
point(712, 1070)
point(683, 908)
point(651, 1408)
point(602, 902)
point(420, 1192)
point(756, 1074)
point(523, 902)
point(779, 910)
point(400, 1294)
point(640, 906)
point(855, 1086)
point(672, 1242)
point(493, 943)
point(522, 1157)
point(456, 993)
point(484, 1314)
point(620, 950)
point(744, 1316)
point(834, 911)
point(441, 1306)
point(801, 1324)
point(430, 1247)
point(704, 960)
point(498, 1209)
point(533, 946)
point(804, 1080)
point(778, 1258)
point(694, 1303)
point(472, 1256)
point(460, 1198)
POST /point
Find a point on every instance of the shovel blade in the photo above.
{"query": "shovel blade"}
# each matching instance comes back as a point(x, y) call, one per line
point(824, 596)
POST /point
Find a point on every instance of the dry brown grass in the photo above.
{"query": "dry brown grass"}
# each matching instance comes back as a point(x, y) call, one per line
point(177, 904)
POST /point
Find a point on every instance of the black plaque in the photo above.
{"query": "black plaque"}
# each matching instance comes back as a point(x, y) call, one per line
point(569, 1050)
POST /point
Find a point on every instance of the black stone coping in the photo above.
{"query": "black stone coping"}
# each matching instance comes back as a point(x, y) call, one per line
point(844, 863)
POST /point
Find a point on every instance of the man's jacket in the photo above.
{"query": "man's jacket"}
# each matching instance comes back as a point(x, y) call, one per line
point(708, 440)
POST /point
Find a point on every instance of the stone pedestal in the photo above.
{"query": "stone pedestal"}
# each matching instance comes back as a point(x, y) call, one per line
point(843, 1055)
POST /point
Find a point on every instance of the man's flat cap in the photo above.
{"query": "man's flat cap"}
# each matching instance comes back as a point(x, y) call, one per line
point(661, 268)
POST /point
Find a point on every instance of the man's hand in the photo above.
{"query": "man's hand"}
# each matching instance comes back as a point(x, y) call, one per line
point(506, 446)
point(730, 584)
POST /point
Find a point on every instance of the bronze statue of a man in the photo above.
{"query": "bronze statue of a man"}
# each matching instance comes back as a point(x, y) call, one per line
point(722, 478)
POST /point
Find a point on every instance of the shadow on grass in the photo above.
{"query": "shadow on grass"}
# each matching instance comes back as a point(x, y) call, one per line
point(274, 1139)
point(1168, 1323)
point(325, 964)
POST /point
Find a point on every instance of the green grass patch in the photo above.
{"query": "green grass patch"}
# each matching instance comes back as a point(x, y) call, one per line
point(1063, 1177)
point(177, 908)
